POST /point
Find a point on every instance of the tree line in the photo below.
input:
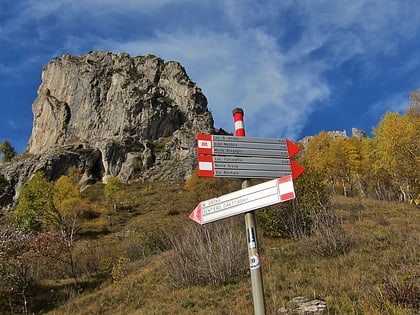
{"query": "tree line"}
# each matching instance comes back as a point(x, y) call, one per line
point(385, 166)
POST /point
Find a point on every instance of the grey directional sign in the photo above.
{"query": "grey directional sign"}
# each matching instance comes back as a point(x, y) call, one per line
point(250, 173)
point(250, 160)
point(243, 146)
point(243, 157)
point(251, 152)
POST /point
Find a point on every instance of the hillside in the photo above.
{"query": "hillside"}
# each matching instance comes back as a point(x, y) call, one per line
point(127, 269)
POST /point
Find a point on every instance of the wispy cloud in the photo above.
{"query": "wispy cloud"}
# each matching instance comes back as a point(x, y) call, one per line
point(234, 73)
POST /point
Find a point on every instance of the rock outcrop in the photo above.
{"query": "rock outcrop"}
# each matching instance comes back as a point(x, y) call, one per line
point(113, 115)
point(355, 133)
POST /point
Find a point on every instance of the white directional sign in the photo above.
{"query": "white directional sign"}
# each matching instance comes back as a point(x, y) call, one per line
point(244, 200)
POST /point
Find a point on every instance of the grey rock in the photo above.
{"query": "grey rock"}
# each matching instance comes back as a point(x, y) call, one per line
point(357, 133)
point(112, 115)
point(303, 305)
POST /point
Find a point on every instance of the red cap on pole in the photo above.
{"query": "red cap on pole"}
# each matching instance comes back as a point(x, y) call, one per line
point(238, 119)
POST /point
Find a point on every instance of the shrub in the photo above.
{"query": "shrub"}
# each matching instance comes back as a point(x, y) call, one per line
point(141, 244)
point(401, 290)
point(211, 254)
point(294, 219)
point(328, 237)
point(119, 270)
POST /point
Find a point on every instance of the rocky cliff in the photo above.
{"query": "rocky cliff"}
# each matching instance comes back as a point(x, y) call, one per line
point(113, 115)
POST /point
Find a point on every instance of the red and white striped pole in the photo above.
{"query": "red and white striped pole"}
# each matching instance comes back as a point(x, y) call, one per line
point(251, 231)
point(238, 119)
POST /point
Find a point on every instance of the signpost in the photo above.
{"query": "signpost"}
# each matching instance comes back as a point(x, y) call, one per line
point(241, 157)
point(244, 200)
point(245, 146)
point(247, 167)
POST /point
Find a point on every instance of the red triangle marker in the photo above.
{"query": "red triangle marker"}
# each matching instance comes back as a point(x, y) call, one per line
point(196, 214)
point(297, 170)
point(292, 148)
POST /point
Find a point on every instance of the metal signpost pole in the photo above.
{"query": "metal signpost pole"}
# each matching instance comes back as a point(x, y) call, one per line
point(251, 231)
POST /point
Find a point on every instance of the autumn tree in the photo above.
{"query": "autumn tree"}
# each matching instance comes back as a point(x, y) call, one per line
point(398, 150)
point(374, 178)
point(55, 207)
point(25, 260)
point(113, 190)
point(414, 108)
point(35, 199)
point(64, 216)
point(317, 155)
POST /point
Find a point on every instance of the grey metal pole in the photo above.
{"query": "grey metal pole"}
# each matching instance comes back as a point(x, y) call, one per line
point(251, 232)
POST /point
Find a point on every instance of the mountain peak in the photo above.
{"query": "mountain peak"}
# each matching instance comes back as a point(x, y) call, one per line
point(113, 115)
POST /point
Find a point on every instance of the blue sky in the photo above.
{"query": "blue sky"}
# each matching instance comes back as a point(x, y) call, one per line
point(295, 67)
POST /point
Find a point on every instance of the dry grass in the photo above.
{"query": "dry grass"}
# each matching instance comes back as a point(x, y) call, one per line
point(379, 274)
point(363, 280)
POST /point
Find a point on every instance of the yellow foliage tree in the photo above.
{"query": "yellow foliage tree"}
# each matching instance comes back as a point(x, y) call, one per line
point(398, 148)
point(113, 191)
point(317, 156)
point(53, 206)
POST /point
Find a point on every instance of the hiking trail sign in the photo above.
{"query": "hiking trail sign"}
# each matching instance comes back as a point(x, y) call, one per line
point(242, 157)
point(244, 200)
point(246, 157)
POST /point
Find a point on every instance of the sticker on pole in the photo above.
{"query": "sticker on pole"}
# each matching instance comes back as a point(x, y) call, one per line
point(254, 262)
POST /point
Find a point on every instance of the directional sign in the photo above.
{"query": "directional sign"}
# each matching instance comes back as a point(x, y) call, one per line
point(244, 200)
point(246, 157)
point(245, 146)
point(247, 167)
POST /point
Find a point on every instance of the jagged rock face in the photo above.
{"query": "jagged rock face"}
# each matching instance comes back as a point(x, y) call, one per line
point(102, 96)
point(113, 115)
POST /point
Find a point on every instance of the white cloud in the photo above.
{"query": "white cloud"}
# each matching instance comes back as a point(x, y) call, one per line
point(241, 60)
point(241, 71)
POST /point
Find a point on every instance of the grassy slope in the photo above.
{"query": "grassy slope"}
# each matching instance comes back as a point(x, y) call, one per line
point(386, 253)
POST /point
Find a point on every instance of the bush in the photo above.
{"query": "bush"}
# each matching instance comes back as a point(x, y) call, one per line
point(328, 237)
point(401, 290)
point(211, 254)
point(141, 244)
point(294, 219)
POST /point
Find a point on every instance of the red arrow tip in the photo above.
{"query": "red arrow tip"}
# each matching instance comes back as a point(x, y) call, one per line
point(196, 214)
point(292, 148)
point(297, 170)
